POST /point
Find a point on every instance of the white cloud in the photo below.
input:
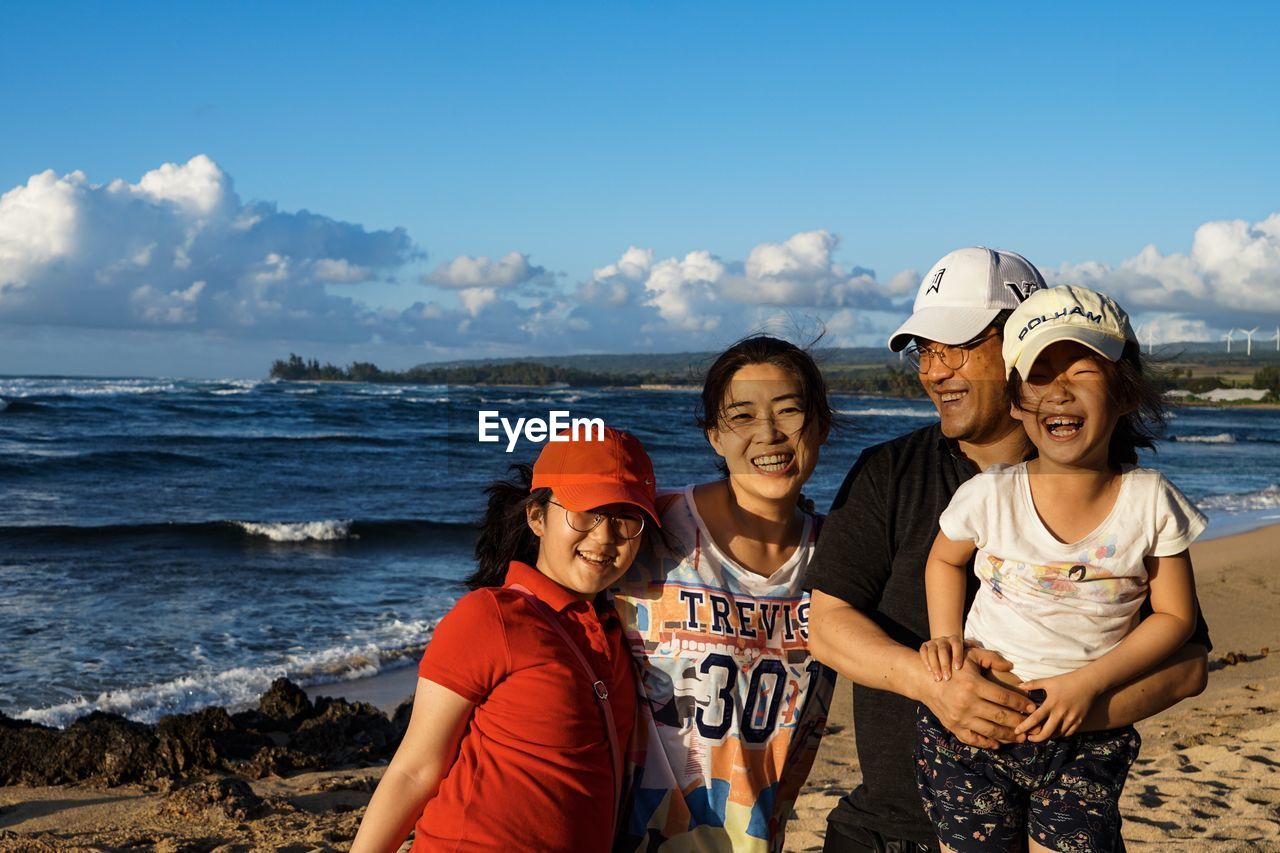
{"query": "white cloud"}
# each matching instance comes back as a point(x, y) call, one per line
point(1166, 328)
point(801, 272)
point(905, 283)
point(173, 308)
point(685, 292)
point(1230, 276)
point(198, 186)
point(511, 269)
point(38, 223)
point(634, 264)
point(672, 301)
point(179, 252)
point(179, 248)
point(476, 298)
point(339, 271)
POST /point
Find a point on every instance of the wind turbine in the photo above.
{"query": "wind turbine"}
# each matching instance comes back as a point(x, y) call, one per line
point(1150, 332)
point(1249, 337)
point(1227, 338)
point(1277, 338)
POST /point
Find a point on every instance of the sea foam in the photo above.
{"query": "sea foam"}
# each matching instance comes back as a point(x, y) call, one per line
point(1268, 498)
point(299, 531)
point(391, 646)
point(1217, 438)
point(889, 413)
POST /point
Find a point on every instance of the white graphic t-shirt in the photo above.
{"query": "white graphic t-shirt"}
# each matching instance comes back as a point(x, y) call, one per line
point(1050, 607)
point(733, 705)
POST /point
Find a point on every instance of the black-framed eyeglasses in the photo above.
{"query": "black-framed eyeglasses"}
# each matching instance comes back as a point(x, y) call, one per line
point(952, 356)
point(625, 526)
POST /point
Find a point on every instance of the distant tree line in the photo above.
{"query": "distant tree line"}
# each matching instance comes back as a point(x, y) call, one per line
point(295, 368)
point(1269, 378)
point(886, 381)
point(881, 380)
point(1174, 378)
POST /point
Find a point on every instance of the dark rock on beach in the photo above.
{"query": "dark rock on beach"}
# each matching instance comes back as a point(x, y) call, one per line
point(285, 701)
point(286, 732)
point(103, 747)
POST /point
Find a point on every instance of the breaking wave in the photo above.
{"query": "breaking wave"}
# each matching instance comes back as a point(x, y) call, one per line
point(1268, 498)
point(392, 646)
point(1219, 438)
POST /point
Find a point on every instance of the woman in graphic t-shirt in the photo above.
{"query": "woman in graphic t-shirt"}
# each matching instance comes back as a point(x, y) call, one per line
point(732, 705)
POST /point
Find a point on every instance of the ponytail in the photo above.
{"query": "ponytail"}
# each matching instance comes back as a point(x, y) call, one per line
point(504, 530)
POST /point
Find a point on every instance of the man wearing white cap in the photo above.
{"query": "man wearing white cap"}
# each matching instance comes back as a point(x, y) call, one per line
point(869, 615)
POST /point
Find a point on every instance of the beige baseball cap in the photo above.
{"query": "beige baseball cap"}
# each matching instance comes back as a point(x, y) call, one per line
point(963, 293)
point(1064, 313)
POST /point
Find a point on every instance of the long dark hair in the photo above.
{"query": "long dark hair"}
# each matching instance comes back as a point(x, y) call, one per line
point(504, 530)
point(1130, 386)
point(765, 349)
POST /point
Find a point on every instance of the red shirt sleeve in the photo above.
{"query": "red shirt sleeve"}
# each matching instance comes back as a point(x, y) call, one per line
point(468, 651)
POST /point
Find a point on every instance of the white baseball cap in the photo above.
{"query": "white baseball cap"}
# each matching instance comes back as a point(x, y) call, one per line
point(964, 292)
point(1065, 313)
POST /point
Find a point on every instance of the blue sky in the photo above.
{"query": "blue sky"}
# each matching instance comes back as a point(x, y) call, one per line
point(668, 176)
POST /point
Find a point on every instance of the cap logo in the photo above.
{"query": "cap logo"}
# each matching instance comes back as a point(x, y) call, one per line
point(937, 282)
point(1022, 289)
point(1065, 312)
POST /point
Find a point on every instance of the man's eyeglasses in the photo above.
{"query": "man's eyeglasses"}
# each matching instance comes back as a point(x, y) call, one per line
point(952, 357)
point(625, 526)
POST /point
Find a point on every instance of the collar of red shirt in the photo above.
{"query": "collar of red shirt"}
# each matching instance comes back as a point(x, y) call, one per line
point(540, 585)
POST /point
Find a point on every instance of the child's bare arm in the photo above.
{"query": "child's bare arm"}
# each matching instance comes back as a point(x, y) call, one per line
point(1068, 697)
point(944, 584)
point(423, 758)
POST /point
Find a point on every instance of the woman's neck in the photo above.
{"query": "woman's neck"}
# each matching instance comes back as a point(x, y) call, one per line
point(759, 534)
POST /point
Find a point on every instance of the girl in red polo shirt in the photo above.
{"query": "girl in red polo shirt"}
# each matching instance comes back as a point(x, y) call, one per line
point(525, 695)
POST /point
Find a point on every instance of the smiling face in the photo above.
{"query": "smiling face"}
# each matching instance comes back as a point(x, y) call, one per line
point(1067, 408)
point(762, 436)
point(583, 563)
point(970, 401)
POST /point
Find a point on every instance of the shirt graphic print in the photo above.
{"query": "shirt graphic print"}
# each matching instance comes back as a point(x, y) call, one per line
point(1051, 607)
point(732, 704)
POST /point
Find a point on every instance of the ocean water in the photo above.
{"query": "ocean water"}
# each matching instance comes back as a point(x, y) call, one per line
point(169, 544)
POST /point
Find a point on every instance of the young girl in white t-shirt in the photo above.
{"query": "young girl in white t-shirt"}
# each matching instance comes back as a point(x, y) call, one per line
point(1068, 546)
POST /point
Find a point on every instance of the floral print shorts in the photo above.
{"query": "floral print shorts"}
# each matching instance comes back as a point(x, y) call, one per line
point(1063, 793)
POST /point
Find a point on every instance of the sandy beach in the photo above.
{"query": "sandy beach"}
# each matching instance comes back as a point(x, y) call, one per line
point(1208, 775)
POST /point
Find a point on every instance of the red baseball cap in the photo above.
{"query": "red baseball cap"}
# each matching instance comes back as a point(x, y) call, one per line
point(590, 471)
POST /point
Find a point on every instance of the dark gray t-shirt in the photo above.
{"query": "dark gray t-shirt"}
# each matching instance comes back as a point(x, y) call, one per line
point(872, 554)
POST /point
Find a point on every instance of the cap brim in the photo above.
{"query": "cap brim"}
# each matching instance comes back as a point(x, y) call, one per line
point(1108, 346)
point(586, 497)
point(943, 325)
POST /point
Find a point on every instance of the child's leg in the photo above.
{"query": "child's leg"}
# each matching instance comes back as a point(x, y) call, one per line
point(1078, 808)
point(972, 805)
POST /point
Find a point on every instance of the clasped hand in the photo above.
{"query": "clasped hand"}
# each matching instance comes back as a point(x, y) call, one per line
point(1067, 700)
point(978, 710)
